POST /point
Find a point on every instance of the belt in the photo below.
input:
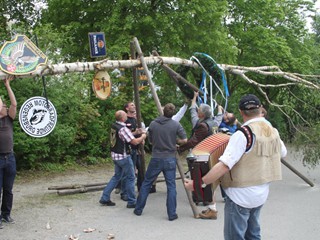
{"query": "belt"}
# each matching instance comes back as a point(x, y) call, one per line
point(5, 154)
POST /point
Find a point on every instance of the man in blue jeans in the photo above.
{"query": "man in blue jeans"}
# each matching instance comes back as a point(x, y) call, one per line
point(250, 162)
point(131, 123)
point(121, 137)
point(7, 158)
point(163, 133)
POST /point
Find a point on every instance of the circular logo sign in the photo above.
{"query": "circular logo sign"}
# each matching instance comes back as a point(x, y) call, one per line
point(101, 85)
point(37, 117)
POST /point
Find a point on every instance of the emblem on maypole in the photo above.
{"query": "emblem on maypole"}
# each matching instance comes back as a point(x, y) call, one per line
point(21, 56)
point(37, 117)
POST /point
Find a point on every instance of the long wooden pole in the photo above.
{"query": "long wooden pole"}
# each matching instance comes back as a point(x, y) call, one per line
point(155, 96)
point(75, 186)
point(148, 74)
point(62, 68)
point(176, 76)
point(189, 194)
point(142, 169)
point(135, 86)
point(297, 172)
point(149, 77)
point(83, 188)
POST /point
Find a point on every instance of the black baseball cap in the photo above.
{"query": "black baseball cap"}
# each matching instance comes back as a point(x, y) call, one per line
point(248, 102)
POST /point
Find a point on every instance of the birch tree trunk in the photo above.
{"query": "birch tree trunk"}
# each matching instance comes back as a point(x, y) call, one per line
point(303, 81)
point(62, 68)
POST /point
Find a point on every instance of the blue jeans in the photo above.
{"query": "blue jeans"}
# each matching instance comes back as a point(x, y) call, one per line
point(168, 167)
point(223, 193)
point(241, 223)
point(136, 158)
point(7, 176)
point(123, 180)
point(123, 167)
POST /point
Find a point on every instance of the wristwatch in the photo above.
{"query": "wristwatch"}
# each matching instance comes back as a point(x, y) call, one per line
point(203, 185)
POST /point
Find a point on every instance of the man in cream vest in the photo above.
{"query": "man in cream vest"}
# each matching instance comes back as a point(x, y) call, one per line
point(251, 160)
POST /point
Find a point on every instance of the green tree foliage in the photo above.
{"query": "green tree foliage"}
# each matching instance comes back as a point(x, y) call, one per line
point(316, 39)
point(274, 29)
point(270, 33)
point(175, 28)
point(273, 33)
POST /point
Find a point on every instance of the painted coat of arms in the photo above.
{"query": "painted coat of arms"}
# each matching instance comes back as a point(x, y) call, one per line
point(20, 56)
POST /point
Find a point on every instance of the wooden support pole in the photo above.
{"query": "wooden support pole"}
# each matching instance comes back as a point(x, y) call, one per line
point(138, 110)
point(155, 96)
point(80, 190)
point(189, 194)
point(83, 188)
point(297, 172)
point(176, 76)
point(148, 74)
point(74, 186)
point(62, 68)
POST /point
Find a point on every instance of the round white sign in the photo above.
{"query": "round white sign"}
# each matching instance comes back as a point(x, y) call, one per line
point(37, 117)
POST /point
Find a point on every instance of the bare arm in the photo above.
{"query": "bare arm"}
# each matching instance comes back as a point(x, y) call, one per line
point(193, 110)
point(138, 140)
point(215, 173)
point(13, 102)
point(181, 141)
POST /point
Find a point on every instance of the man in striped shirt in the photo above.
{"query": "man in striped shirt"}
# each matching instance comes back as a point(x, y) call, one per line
point(121, 138)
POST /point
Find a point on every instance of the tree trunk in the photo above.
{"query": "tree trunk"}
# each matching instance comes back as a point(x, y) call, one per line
point(54, 69)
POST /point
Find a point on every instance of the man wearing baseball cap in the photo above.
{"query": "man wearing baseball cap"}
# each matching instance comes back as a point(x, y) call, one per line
point(251, 160)
point(249, 102)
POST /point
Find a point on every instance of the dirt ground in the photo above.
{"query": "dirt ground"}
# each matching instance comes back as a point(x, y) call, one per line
point(291, 212)
point(42, 214)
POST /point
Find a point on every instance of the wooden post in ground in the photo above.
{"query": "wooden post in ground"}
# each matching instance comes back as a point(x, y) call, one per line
point(138, 110)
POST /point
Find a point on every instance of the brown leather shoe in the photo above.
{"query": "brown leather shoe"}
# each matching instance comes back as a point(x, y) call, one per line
point(209, 214)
